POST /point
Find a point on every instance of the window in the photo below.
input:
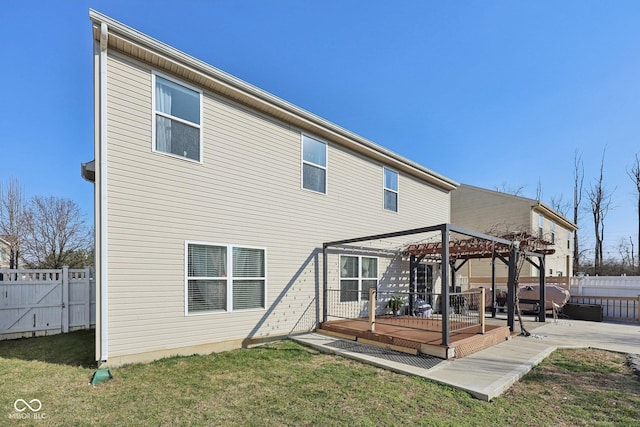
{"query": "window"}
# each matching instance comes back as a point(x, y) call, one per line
point(553, 232)
point(568, 240)
point(358, 274)
point(177, 117)
point(390, 190)
point(540, 226)
point(314, 164)
point(224, 278)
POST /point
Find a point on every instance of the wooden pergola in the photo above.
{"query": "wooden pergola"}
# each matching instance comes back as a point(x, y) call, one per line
point(473, 245)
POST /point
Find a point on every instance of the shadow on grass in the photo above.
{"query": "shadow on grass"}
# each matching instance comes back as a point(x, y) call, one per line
point(73, 349)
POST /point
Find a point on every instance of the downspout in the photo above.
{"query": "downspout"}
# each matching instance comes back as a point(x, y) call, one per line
point(104, 302)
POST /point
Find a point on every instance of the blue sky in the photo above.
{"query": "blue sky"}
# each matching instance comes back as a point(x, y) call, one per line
point(485, 92)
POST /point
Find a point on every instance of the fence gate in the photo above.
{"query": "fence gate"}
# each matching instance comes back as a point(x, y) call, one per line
point(36, 302)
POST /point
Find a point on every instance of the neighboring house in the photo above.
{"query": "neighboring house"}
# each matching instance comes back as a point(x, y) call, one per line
point(4, 253)
point(503, 214)
point(213, 199)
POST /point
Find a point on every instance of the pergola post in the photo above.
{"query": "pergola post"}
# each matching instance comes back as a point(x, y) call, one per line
point(481, 311)
point(493, 285)
point(444, 301)
point(325, 291)
point(452, 270)
point(542, 315)
point(511, 287)
point(412, 281)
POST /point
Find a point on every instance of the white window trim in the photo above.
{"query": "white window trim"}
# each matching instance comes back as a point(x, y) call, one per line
point(359, 278)
point(553, 232)
point(154, 112)
point(384, 189)
point(229, 278)
point(303, 162)
point(540, 226)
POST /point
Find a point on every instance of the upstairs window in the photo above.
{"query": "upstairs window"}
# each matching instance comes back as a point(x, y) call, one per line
point(314, 165)
point(568, 240)
point(540, 226)
point(177, 119)
point(224, 278)
point(358, 274)
point(390, 190)
point(553, 232)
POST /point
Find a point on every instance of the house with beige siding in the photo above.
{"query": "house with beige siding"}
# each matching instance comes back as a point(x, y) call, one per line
point(4, 253)
point(503, 214)
point(213, 199)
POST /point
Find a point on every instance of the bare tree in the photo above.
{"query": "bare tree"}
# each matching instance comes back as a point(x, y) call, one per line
point(633, 258)
point(539, 190)
point(515, 190)
point(519, 265)
point(55, 232)
point(12, 219)
point(634, 174)
point(559, 205)
point(626, 254)
point(600, 201)
point(578, 180)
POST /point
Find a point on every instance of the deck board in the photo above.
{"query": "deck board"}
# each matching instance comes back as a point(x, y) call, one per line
point(403, 333)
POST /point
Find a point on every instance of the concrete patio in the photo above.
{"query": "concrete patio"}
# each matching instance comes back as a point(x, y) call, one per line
point(490, 372)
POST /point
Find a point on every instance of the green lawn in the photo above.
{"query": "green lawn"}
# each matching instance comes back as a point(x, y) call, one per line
point(286, 384)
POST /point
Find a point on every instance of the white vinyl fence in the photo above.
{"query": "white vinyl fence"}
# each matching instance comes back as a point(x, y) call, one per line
point(619, 296)
point(45, 302)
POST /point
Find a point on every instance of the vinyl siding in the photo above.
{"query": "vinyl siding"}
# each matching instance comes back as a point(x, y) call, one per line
point(247, 191)
point(498, 213)
point(489, 211)
point(558, 261)
point(4, 254)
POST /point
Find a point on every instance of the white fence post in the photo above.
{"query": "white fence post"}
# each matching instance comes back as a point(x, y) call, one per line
point(65, 299)
point(87, 297)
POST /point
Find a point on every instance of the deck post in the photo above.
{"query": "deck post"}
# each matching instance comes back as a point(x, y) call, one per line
point(481, 311)
point(372, 309)
point(444, 300)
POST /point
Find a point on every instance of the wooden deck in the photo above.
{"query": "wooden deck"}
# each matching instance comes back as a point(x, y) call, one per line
point(417, 336)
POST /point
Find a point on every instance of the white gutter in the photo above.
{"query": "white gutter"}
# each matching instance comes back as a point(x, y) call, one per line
point(104, 301)
point(541, 207)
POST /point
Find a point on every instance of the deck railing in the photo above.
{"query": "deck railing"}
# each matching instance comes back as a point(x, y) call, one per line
point(407, 309)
